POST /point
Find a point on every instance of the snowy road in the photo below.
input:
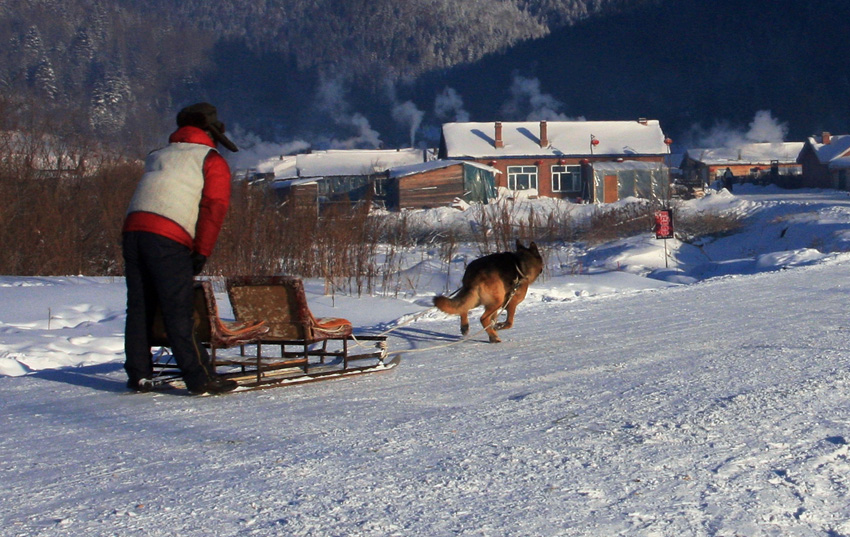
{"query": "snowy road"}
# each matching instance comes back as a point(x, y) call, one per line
point(716, 409)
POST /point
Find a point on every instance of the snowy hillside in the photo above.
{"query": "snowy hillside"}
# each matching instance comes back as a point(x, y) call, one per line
point(710, 398)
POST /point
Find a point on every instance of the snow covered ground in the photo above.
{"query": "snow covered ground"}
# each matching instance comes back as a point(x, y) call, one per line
point(711, 398)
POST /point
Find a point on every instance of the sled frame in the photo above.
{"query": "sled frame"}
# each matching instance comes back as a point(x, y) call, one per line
point(306, 346)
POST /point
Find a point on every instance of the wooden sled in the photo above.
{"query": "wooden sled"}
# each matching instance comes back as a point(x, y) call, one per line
point(297, 346)
point(305, 354)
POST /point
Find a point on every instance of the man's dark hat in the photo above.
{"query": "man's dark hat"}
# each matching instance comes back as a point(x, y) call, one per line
point(204, 116)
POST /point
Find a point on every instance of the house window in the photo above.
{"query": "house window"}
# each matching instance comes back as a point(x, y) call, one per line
point(381, 186)
point(566, 178)
point(522, 177)
point(324, 187)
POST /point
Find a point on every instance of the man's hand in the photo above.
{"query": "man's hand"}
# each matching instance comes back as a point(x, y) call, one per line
point(198, 262)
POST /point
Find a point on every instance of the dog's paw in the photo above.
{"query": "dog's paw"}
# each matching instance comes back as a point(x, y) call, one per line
point(495, 339)
point(464, 329)
point(502, 326)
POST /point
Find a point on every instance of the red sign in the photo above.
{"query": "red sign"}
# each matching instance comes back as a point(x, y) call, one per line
point(664, 224)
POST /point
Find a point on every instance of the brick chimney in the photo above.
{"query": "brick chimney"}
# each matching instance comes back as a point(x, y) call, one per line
point(544, 134)
point(498, 142)
point(826, 139)
point(643, 121)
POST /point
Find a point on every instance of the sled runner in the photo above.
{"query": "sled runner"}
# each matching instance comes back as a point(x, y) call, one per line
point(290, 344)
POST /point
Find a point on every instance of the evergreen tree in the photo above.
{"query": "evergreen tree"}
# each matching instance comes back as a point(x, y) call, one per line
point(111, 101)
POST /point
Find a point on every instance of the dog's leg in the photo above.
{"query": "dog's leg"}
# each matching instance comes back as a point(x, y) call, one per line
point(518, 297)
point(487, 321)
point(509, 321)
point(464, 323)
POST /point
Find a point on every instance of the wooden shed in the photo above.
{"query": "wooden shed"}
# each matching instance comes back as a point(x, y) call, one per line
point(438, 183)
point(301, 195)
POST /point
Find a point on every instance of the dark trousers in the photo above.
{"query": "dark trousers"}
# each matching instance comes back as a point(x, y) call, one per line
point(159, 273)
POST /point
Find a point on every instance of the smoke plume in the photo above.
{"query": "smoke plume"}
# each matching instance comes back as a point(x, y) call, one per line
point(252, 149)
point(408, 115)
point(448, 106)
point(331, 100)
point(528, 103)
point(763, 128)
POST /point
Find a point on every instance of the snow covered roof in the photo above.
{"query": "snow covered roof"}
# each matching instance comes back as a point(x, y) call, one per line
point(840, 164)
point(281, 167)
point(412, 169)
point(566, 138)
point(626, 165)
point(288, 183)
point(837, 148)
point(746, 154)
point(339, 162)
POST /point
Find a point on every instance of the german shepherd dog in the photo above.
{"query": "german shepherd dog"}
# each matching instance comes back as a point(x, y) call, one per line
point(489, 281)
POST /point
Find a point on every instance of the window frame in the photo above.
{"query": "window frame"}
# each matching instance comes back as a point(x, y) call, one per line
point(525, 169)
point(575, 174)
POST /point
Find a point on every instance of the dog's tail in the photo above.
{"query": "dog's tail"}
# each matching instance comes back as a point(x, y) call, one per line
point(464, 301)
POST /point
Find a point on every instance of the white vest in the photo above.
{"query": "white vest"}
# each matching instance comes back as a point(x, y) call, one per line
point(173, 183)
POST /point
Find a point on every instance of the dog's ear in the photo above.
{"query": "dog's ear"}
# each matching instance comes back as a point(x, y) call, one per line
point(533, 248)
point(519, 245)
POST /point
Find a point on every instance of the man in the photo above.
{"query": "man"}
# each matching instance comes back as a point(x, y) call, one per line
point(728, 179)
point(170, 229)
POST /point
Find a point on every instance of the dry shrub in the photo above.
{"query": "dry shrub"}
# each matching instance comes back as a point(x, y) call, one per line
point(64, 196)
point(559, 225)
point(496, 226)
point(500, 224)
point(257, 235)
point(691, 226)
point(611, 223)
point(346, 246)
point(64, 223)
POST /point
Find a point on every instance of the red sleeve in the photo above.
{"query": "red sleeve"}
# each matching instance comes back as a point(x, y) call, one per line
point(215, 199)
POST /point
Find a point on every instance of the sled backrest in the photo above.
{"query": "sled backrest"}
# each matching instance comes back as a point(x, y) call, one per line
point(204, 309)
point(278, 300)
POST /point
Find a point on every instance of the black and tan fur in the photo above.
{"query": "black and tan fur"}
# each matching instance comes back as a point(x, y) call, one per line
point(489, 281)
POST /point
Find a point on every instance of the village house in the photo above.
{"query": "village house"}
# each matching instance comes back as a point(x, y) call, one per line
point(556, 158)
point(324, 178)
point(768, 162)
point(825, 161)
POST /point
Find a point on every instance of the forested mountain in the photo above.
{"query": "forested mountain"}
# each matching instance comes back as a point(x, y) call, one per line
point(94, 66)
point(118, 68)
point(387, 72)
point(115, 65)
point(383, 38)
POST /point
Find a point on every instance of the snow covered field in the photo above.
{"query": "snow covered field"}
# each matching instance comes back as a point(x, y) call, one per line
point(711, 398)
